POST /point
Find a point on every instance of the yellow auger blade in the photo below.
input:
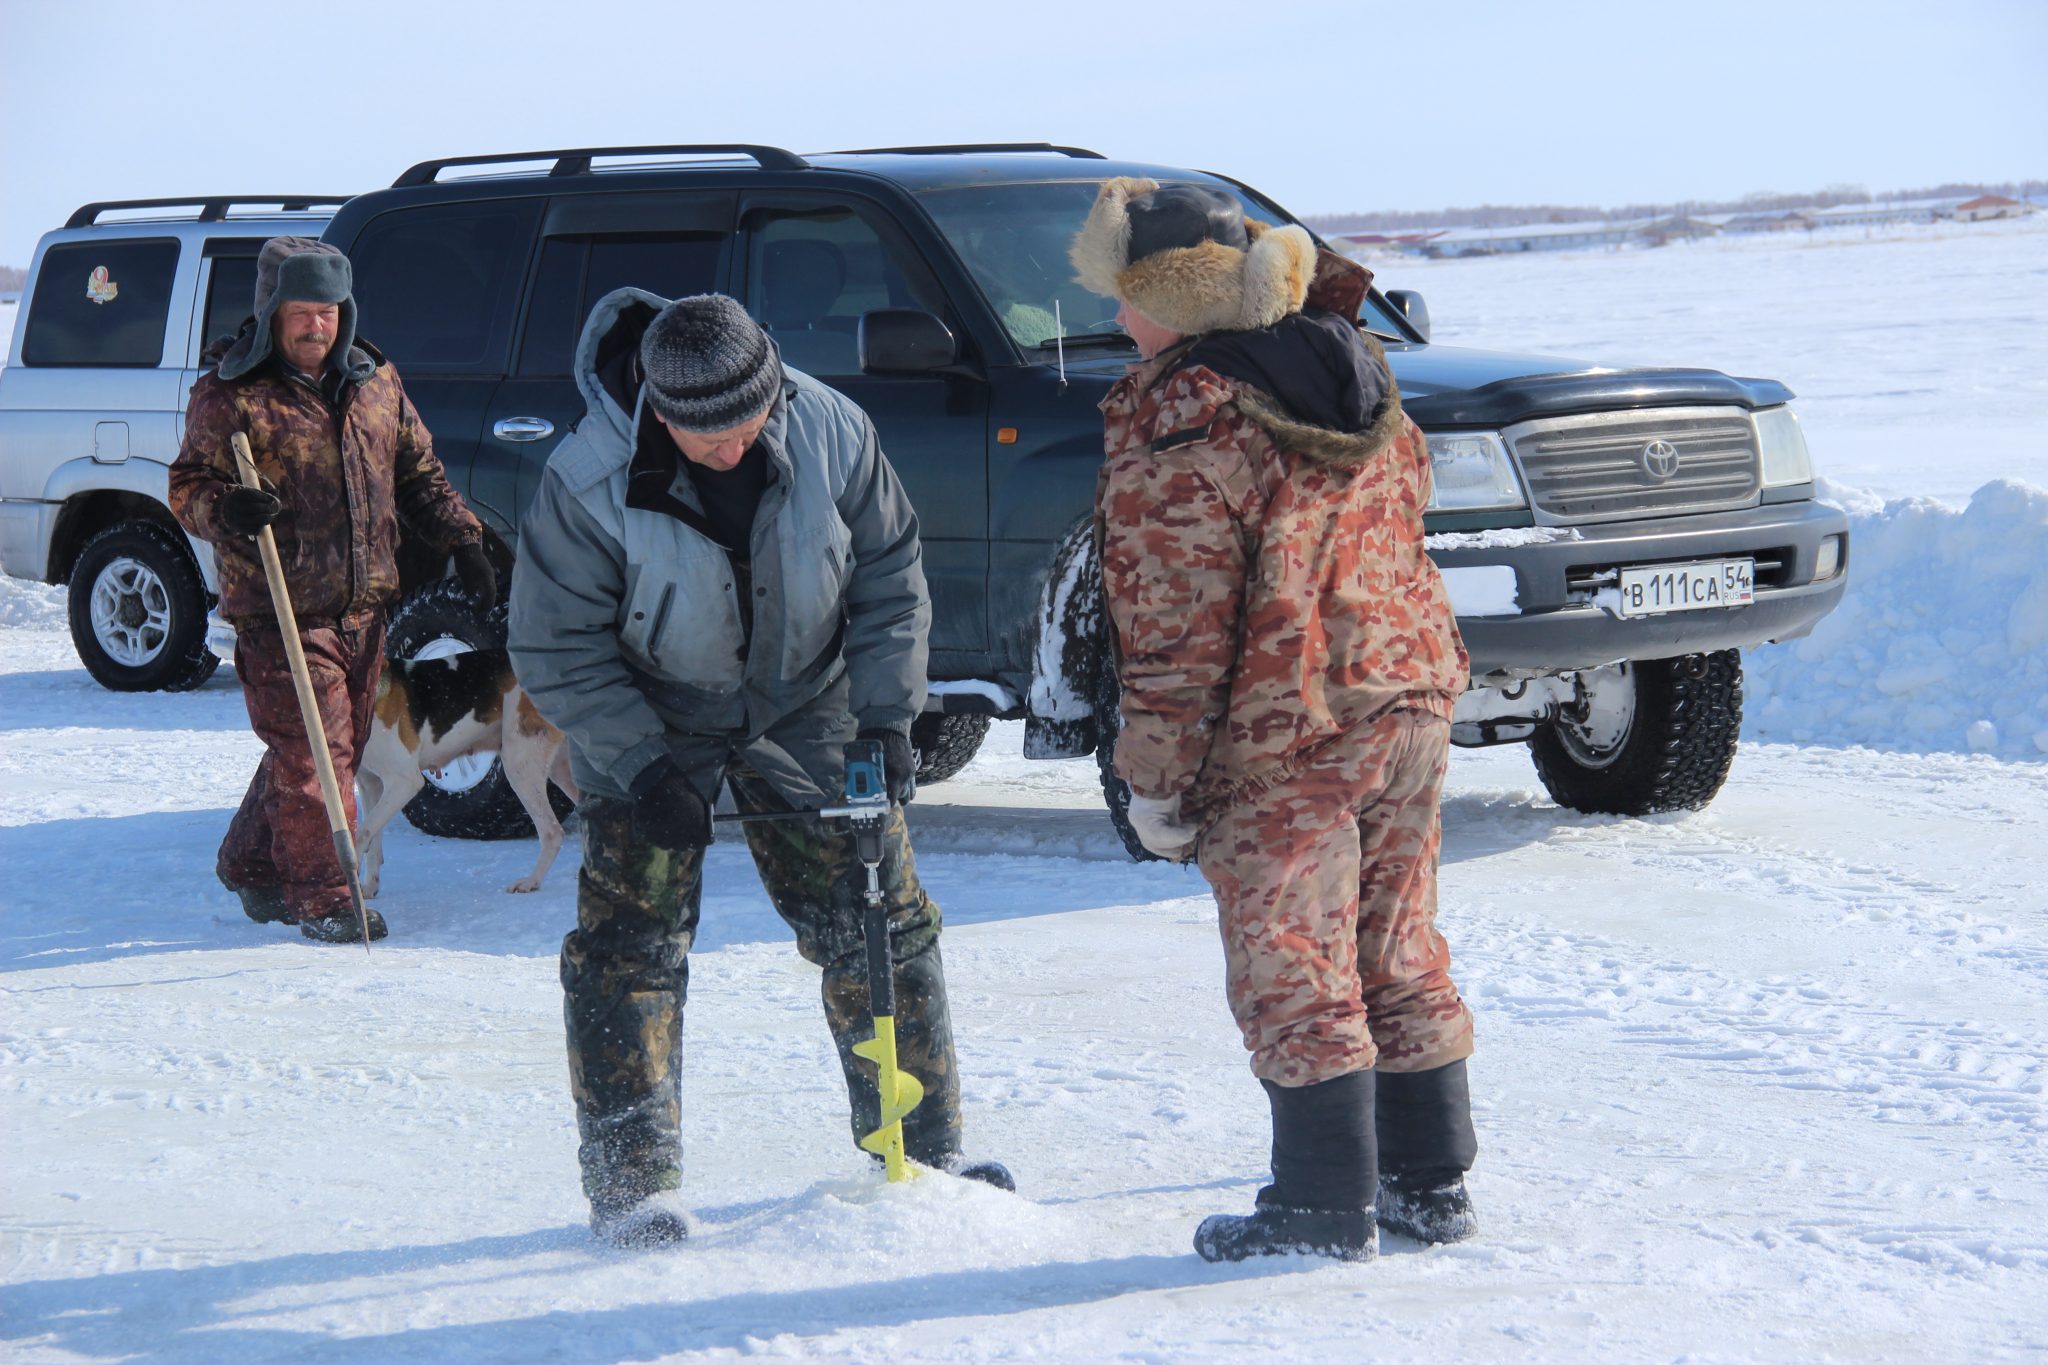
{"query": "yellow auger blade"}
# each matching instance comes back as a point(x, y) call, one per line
point(900, 1093)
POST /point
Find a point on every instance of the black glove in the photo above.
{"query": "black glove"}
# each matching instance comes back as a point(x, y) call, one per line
point(245, 511)
point(899, 763)
point(479, 579)
point(667, 812)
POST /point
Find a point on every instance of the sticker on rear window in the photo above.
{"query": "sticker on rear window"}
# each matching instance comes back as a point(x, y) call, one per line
point(99, 288)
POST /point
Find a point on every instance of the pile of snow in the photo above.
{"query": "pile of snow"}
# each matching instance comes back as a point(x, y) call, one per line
point(31, 606)
point(1941, 643)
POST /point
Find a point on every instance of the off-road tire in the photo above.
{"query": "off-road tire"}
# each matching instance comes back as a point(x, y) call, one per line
point(1115, 794)
point(945, 744)
point(490, 809)
point(1676, 753)
point(177, 662)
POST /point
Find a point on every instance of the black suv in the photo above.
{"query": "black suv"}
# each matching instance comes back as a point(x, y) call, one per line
point(1611, 538)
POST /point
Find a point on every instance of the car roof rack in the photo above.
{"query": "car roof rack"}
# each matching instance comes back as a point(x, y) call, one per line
point(576, 160)
point(943, 149)
point(213, 208)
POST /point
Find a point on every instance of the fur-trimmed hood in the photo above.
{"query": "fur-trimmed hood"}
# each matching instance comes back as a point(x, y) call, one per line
point(1315, 381)
point(1208, 287)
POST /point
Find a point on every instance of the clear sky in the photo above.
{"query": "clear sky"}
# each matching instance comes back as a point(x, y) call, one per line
point(1327, 107)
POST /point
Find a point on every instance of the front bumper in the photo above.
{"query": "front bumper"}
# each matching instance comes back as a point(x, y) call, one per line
point(1556, 626)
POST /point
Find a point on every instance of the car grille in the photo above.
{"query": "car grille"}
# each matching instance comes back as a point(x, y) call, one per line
point(1602, 467)
point(1772, 569)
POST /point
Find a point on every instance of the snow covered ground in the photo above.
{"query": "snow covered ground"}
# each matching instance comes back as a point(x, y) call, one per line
point(1759, 1083)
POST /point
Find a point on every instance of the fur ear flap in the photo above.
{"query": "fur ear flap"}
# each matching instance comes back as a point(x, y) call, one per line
point(1191, 289)
point(1103, 246)
point(1277, 273)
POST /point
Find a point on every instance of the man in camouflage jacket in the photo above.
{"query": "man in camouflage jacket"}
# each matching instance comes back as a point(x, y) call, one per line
point(1289, 660)
point(344, 459)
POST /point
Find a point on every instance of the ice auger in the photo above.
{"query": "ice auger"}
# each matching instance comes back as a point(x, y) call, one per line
point(865, 809)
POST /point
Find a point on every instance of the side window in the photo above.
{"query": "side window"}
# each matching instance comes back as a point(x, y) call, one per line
point(230, 296)
point(575, 272)
point(812, 273)
point(102, 303)
point(435, 287)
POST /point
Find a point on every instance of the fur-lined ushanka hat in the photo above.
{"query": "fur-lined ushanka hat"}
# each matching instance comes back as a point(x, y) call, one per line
point(1188, 258)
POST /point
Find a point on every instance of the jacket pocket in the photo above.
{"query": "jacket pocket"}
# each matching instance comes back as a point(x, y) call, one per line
point(681, 621)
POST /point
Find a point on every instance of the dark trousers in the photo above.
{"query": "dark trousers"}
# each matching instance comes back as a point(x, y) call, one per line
point(280, 838)
point(625, 978)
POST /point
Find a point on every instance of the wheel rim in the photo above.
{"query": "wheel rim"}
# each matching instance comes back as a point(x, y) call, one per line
point(461, 774)
point(1595, 737)
point(131, 612)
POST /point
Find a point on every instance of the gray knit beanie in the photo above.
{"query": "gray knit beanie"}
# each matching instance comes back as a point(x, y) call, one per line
point(709, 366)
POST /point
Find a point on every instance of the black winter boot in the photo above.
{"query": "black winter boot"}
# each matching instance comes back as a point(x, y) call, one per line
point(1324, 1171)
point(344, 927)
point(264, 904)
point(1426, 1146)
point(649, 1224)
point(924, 1048)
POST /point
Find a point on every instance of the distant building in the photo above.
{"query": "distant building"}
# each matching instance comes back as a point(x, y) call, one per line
point(1412, 243)
point(1991, 206)
point(1776, 221)
point(1502, 241)
point(1887, 214)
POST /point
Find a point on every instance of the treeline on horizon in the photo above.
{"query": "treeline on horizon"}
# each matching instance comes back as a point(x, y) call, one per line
point(1763, 201)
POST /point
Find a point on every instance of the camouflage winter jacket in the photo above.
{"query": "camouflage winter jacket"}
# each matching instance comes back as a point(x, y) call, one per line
point(346, 474)
point(1266, 576)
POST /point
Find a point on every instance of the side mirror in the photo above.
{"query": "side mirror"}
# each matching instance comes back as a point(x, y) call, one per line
point(1412, 308)
point(905, 341)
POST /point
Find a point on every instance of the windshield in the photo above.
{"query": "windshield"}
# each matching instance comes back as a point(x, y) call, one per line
point(1014, 239)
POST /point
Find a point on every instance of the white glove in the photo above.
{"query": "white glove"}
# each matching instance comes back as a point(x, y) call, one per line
point(1156, 821)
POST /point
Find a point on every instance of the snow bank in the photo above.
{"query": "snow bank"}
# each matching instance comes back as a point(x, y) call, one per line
point(31, 606)
point(1941, 643)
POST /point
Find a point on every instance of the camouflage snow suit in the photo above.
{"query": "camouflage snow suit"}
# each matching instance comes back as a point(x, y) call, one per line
point(350, 462)
point(1289, 660)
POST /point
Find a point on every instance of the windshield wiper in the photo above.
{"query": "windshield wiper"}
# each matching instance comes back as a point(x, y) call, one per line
point(1086, 339)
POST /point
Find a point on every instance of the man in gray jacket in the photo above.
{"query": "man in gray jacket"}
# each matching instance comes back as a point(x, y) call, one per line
point(720, 583)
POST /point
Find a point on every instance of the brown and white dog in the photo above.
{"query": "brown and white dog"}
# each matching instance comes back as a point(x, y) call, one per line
point(434, 711)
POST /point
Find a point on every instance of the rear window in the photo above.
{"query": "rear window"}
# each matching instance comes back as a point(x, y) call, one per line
point(230, 296)
point(102, 303)
point(575, 272)
point(435, 287)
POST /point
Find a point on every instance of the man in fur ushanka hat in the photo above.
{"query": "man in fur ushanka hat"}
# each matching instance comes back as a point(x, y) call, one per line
point(1289, 660)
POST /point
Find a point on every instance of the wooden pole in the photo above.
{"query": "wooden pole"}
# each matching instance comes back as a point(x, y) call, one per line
point(309, 708)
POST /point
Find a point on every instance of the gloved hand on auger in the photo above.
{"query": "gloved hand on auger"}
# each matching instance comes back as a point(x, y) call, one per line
point(899, 763)
point(667, 811)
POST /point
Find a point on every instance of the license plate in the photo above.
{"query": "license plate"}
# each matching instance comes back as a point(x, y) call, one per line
point(1687, 587)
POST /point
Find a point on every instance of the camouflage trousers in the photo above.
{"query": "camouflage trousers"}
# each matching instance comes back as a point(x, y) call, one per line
point(626, 973)
point(279, 838)
point(1325, 885)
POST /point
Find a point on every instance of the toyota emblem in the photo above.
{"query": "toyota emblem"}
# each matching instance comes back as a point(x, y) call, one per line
point(1659, 460)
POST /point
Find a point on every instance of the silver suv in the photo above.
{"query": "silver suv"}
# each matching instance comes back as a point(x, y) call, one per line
point(120, 302)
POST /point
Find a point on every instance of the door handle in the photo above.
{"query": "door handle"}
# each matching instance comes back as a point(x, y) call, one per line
point(522, 428)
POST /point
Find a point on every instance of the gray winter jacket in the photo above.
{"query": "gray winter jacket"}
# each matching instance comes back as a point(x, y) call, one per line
point(625, 622)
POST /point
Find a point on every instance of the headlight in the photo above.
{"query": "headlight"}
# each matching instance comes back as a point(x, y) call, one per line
point(1471, 472)
point(1783, 446)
